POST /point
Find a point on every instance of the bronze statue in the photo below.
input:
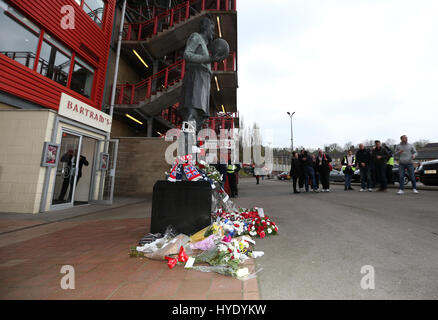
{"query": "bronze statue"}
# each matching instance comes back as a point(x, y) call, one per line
point(195, 97)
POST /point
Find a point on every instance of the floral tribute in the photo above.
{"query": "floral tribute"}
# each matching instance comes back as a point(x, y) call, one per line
point(226, 258)
point(221, 247)
point(246, 222)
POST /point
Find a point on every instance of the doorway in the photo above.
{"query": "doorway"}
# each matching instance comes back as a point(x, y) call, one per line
point(74, 170)
point(85, 169)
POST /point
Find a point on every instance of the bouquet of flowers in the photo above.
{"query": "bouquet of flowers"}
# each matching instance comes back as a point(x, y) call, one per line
point(262, 227)
point(246, 221)
point(210, 171)
point(225, 258)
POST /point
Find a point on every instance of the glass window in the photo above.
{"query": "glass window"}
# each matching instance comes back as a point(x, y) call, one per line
point(95, 9)
point(19, 37)
point(82, 78)
point(54, 60)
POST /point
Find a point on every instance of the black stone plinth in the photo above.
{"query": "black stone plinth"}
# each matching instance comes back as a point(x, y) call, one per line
point(185, 205)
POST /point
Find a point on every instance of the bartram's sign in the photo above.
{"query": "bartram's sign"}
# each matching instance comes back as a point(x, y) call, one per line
point(79, 111)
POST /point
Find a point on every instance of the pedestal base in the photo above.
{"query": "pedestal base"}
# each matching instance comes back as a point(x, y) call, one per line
point(182, 204)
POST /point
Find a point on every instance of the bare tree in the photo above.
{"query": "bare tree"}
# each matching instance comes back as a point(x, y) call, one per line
point(420, 143)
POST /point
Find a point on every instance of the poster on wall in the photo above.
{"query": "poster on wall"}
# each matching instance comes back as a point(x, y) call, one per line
point(50, 154)
point(104, 161)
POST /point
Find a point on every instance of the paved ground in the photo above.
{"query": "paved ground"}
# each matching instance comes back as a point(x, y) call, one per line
point(324, 241)
point(326, 238)
point(33, 250)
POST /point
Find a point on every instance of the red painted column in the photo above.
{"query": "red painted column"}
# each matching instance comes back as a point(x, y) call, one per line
point(187, 9)
point(148, 95)
point(155, 25)
point(132, 94)
point(183, 69)
point(172, 12)
point(166, 77)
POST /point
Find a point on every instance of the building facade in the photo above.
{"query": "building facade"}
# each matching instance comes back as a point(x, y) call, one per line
point(152, 65)
point(57, 65)
point(53, 134)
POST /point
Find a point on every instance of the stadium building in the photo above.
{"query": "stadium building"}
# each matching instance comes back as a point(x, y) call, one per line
point(69, 134)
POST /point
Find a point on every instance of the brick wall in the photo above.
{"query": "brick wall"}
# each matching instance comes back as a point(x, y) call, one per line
point(140, 163)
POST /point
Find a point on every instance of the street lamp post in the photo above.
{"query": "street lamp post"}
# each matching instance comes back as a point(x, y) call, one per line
point(291, 132)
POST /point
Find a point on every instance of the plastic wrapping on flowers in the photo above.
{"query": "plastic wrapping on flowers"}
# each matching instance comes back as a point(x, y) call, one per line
point(226, 258)
point(221, 247)
point(245, 221)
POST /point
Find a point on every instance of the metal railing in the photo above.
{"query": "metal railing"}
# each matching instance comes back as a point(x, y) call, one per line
point(171, 114)
point(27, 58)
point(229, 64)
point(135, 93)
point(222, 121)
point(140, 31)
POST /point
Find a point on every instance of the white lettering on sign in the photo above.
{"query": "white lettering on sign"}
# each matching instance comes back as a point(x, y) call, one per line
point(79, 111)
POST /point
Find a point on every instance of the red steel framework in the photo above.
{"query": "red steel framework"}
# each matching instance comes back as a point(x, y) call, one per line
point(222, 121)
point(140, 31)
point(87, 40)
point(136, 93)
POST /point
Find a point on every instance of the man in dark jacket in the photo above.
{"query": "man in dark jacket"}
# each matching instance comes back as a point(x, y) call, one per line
point(323, 166)
point(295, 171)
point(380, 157)
point(309, 172)
point(301, 172)
point(70, 159)
point(363, 160)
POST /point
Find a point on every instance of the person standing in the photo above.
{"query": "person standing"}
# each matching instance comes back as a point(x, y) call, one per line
point(295, 170)
point(406, 152)
point(389, 165)
point(70, 159)
point(348, 167)
point(315, 169)
point(231, 178)
point(323, 164)
point(301, 172)
point(309, 172)
point(380, 156)
point(363, 160)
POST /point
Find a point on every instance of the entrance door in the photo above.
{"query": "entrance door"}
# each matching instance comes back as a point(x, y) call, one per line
point(105, 170)
point(66, 173)
point(85, 171)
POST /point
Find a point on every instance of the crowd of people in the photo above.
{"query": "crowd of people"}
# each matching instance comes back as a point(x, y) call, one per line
point(375, 166)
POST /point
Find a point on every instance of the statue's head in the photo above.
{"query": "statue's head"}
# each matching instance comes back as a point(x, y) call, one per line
point(207, 27)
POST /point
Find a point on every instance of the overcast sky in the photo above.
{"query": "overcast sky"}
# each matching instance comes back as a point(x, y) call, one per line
point(350, 69)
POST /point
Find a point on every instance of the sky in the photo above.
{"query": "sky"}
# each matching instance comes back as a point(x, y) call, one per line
point(352, 70)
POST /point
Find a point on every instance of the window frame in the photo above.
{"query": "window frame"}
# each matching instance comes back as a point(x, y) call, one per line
point(80, 61)
point(81, 5)
point(74, 57)
point(52, 40)
point(29, 28)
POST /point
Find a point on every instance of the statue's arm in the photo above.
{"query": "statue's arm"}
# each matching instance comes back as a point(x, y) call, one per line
point(190, 54)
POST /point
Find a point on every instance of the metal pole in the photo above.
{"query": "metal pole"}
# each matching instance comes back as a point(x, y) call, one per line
point(291, 132)
point(291, 136)
point(116, 70)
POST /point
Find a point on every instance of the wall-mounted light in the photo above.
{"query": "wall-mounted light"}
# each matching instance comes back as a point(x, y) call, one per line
point(219, 26)
point(140, 58)
point(133, 119)
point(217, 83)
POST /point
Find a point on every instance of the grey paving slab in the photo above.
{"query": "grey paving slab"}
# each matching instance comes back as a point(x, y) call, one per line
point(326, 238)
